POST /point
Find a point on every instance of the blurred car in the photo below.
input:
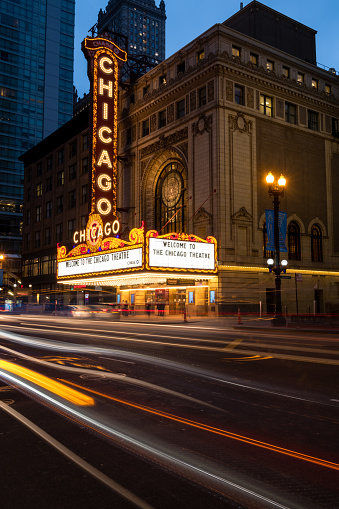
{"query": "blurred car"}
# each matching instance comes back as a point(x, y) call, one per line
point(104, 312)
point(80, 311)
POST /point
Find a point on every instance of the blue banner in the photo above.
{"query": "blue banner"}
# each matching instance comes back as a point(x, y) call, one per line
point(269, 214)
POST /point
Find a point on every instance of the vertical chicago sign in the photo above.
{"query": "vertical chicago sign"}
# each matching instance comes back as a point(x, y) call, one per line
point(103, 57)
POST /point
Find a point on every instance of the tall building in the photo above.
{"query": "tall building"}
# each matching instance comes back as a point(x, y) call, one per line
point(141, 21)
point(36, 93)
point(193, 153)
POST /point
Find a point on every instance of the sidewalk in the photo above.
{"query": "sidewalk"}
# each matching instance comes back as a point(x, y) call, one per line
point(230, 321)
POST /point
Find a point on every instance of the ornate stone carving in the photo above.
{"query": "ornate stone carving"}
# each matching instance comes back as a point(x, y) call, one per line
point(153, 123)
point(242, 216)
point(250, 98)
point(210, 91)
point(170, 113)
point(165, 141)
point(204, 124)
point(193, 100)
point(239, 123)
point(229, 90)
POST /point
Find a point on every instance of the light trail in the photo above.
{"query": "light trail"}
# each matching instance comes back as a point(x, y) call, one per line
point(217, 431)
point(71, 347)
point(46, 383)
point(216, 482)
point(297, 358)
point(94, 472)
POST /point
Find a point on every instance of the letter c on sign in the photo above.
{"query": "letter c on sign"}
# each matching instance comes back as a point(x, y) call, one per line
point(102, 62)
point(75, 237)
point(104, 182)
point(102, 138)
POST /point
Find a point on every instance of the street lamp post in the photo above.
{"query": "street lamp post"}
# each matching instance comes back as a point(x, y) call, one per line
point(276, 191)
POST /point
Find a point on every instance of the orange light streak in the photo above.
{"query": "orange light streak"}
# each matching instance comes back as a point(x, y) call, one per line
point(217, 431)
point(47, 383)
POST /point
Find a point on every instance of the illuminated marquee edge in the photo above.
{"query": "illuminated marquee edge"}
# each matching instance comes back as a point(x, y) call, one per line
point(183, 237)
point(106, 246)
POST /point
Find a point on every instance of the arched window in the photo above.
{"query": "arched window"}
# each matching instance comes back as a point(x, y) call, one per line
point(316, 244)
point(294, 241)
point(169, 199)
point(267, 254)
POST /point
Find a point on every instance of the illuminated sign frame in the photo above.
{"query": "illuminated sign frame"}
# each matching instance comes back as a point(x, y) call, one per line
point(104, 57)
point(183, 245)
point(82, 254)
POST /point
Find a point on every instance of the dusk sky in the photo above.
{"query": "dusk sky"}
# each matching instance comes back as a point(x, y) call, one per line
point(187, 19)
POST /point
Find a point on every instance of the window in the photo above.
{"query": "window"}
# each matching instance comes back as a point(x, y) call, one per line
point(61, 156)
point(49, 184)
point(60, 178)
point(254, 59)
point(328, 89)
point(72, 199)
point(270, 65)
point(71, 228)
point(236, 51)
point(49, 163)
point(29, 192)
point(162, 80)
point(84, 165)
point(181, 67)
point(290, 113)
point(335, 127)
point(202, 96)
point(38, 169)
point(37, 239)
point(316, 244)
point(48, 236)
point(312, 117)
point(28, 217)
point(200, 55)
point(300, 77)
point(181, 108)
point(266, 105)
point(266, 253)
point(314, 83)
point(58, 232)
point(72, 172)
point(146, 90)
point(293, 234)
point(145, 127)
point(49, 209)
point(286, 71)
point(85, 141)
point(60, 204)
point(29, 174)
point(84, 194)
point(39, 189)
point(239, 96)
point(170, 195)
point(162, 118)
point(73, 148)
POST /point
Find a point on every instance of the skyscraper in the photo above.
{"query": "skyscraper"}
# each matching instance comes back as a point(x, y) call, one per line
point(36, 93)
point(141, 21)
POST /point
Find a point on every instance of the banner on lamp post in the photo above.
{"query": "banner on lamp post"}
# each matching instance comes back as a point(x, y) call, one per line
point(270, 246)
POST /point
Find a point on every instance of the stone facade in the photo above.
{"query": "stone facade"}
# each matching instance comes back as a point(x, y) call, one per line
point(226, 122)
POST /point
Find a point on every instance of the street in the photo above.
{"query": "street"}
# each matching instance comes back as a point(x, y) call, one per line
point(169, 414)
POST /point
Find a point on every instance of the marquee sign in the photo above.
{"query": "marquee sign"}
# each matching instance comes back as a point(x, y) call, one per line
point(180, 252)
point(111, 255)
point(103, 57)
point(173, 252)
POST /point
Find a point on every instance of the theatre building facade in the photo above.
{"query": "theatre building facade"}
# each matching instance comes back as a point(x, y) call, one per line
point(185, 220)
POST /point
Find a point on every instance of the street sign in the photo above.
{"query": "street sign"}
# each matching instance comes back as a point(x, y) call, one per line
point(285, 277)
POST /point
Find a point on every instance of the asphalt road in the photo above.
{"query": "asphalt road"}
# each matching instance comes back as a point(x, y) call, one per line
point(166, 414)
